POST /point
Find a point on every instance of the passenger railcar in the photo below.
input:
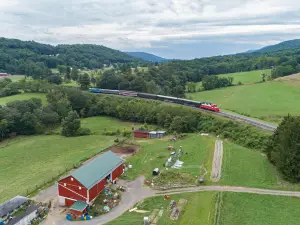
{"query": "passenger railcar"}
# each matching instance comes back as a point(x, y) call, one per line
point(182, 101)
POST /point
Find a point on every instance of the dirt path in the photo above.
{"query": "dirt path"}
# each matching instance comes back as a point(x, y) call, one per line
point(230, 189)
point(137, 192)
point(217, 161)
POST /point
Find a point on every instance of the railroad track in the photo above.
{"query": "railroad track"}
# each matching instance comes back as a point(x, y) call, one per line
point(257, 123)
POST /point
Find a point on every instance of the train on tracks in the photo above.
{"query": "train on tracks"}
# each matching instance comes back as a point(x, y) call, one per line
point(202, 105)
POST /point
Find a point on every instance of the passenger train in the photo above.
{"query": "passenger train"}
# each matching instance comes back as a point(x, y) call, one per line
point(187, 102)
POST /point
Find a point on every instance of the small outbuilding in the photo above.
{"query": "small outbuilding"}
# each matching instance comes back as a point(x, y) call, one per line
point(156, 134)
point(26, 217)
point(141, 134)
point(11, 205)
point(78, 208)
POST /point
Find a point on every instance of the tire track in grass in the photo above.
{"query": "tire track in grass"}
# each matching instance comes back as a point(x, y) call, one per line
point(217, 161)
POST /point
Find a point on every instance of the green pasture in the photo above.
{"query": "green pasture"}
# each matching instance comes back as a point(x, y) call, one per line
point(249, 77)
point(25, 96)
point(267, 101)
point(253, 209)
point(27, 162)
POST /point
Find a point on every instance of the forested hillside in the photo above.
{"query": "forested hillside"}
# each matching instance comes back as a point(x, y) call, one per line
point(35, 59)
point(286, 45)
point(283, 62)
point(147, 56)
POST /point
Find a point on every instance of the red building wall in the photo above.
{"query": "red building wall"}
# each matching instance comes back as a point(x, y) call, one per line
point(72, 189)
point(69, 202)
point(117, 172)
point(141, 134)
point(95, 191)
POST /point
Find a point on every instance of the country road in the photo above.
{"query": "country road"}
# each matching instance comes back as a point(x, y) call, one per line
point(138, 192)
point(230, 189)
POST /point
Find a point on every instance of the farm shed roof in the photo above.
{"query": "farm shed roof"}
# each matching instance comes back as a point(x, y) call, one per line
point(97, 169)
point(141, 131)
point(28, 211)
point(79, 206)
point(11, 205)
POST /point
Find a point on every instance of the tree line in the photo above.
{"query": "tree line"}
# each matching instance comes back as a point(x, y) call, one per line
point(283, 148)
point(67, 105)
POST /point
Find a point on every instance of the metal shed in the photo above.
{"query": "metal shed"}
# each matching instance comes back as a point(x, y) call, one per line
point(11, 205)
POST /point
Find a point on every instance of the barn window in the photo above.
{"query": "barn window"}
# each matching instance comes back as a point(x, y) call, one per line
point(79, 188)
point(65, 184)
point(72, 179)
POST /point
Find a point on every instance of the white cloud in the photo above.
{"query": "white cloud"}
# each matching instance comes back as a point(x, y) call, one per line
point(127, 24)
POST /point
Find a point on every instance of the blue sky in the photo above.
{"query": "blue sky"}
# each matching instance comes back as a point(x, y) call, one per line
point(182, 29)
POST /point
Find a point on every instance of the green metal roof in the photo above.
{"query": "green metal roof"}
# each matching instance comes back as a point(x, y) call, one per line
point(97, 169)
point(79, 206)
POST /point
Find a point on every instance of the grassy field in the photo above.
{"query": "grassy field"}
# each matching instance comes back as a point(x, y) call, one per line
point(198, 210)
point(4, 100)
point(249, 77)
point(252, 209)
point(16, 77)
point(29, 161)
point(268, 101)
point(198, 153)
point(99, 124)
point(250, 168)
point(246, 167)
point(235, 209)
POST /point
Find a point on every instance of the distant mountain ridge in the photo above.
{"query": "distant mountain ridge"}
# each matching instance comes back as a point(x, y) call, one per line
point(291, 44)
point(147, 56)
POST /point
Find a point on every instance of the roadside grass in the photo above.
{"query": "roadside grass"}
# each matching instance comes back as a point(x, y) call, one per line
point(253, 209)
point(198, 210)
point(28, 162)
point(197, 152)
point(267, 101)
point(25, 96)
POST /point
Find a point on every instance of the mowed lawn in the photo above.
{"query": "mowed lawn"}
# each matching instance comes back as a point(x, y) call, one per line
point(25, 96)
point(199, 209)
point(268, 101)
point(29, 161)
point(198, 154)
point(253, 209)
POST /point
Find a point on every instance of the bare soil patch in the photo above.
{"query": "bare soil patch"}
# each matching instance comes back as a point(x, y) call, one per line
point(293, 79)
point(124, 150)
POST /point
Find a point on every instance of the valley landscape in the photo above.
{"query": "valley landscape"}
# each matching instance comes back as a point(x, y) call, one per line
point(131, 117)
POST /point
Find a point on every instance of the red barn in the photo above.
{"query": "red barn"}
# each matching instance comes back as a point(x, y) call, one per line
point(86, 183)
point(141, 134)
point(4, 75)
